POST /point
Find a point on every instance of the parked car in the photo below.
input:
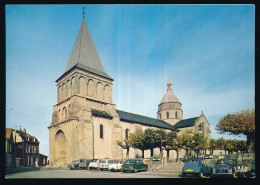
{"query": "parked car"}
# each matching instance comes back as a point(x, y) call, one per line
point(115, 166)
point(94, 164)
point(196, 167)
point(74, 165)
point(83, 163)
point(103, 165)
point(134, 165)
point(225, 167)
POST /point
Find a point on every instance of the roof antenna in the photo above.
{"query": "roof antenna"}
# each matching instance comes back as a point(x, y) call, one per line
point(83, 13)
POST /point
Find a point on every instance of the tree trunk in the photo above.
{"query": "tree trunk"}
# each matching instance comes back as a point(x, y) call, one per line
point(168, 155)
point(151, 152)
point(142, 153)
point(186, 154)
point(249, 143)
point(177, 151)
point(127, 153)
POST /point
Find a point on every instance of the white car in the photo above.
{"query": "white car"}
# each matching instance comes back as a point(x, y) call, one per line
point(115, 166)
point(94, 164)
point(103, 165)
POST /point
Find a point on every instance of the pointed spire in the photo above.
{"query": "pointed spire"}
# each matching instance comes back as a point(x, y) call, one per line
point(169, 96)
point(169, 84)
point(84, 51)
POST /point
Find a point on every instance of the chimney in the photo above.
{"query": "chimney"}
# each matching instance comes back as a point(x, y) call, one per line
point(24, 130)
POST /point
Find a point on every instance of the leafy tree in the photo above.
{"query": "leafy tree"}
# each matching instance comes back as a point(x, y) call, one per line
point(229, 146)
point(241, 146)
point(197, 142)
point(242, 122)
point(173, 142)
point(220, 144)
point(150, 141)
point(186, 140)
point(125, 144)
point(212, 145)
point(160, 139)
point(137, 141)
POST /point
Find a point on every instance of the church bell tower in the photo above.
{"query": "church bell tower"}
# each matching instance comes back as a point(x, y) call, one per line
point(83, 88)
point(169, 109)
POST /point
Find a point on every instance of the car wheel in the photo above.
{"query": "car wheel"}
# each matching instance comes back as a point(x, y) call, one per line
point(200, 175)
point(234, 175)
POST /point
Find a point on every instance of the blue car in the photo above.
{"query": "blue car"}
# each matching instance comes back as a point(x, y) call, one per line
point(225, 167)
point(196, 167)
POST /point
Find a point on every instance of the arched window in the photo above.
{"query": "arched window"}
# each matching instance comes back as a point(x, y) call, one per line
point(126, 133)
point(168, 115)
point(101, 131)
point(176, 115)
point(200, 127)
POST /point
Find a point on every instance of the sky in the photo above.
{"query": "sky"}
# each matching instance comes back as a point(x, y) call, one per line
point(207, 50)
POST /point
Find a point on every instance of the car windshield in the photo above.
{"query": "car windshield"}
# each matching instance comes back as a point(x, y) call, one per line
point(225, 162)
point(192, 161)
point(93, 160)
point(129, 162)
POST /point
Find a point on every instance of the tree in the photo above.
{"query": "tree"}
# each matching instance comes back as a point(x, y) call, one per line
point(160, 139)
point(186, 140)
point(150, 141)
point(241, 145)
point(137, 141)
point(197, 142)
point(212, 145)
point(220, 143)
point(229, 146)
point(173, 142)
point(242, 122)
point(125, 144)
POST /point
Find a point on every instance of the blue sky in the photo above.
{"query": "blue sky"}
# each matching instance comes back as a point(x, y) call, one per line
point(207, 50)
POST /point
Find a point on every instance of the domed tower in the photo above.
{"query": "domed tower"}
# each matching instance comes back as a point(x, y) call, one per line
point(169, 110)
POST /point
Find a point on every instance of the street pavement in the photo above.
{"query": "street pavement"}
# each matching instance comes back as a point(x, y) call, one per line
point(44, 172)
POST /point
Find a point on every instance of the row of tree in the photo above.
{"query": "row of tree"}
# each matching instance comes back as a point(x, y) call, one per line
point(150, 139)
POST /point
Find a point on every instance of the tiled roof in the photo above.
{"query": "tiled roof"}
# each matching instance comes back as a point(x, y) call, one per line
point(143, 120)
point(185, 123)
point(84, 51)
point(101, 114)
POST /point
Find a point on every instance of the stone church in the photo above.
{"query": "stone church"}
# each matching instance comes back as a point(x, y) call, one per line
point(85, 121)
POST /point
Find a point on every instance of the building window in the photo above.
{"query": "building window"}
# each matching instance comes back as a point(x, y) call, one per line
point(176, 115)
point(200, 127)
point(168, 115)
point(160, 116)
point(101, 131)
point(126, 133)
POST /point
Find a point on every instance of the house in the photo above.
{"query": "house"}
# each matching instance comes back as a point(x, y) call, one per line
point(9, 147)
point(23, 149)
